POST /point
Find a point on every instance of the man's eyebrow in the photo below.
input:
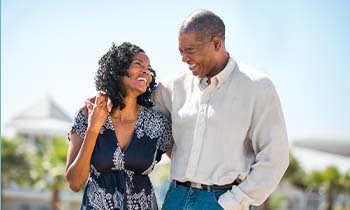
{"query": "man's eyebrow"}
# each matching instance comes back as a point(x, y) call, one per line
point(186, 48)
point(189, 49)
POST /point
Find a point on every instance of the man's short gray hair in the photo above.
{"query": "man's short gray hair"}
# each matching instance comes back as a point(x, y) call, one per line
point(205, 24)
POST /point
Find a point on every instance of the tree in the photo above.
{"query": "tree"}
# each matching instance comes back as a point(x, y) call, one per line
point(42, 166)
point(331, 182)
point(50, 164)
point(345, 181)
point(15, 164)
point(295, 174)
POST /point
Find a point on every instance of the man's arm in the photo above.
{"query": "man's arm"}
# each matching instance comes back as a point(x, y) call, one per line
point(162, 100)
point(270, 144)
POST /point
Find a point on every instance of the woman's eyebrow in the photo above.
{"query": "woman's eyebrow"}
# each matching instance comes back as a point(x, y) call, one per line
point(136, 59)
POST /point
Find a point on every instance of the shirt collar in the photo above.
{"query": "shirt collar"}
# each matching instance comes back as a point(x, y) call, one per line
point(220, 78)
point(223, 75)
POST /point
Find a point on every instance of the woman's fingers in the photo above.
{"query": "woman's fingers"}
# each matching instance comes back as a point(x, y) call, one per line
point(98, 111)
point(101, 99)
point(89, 106)
point(109, 105)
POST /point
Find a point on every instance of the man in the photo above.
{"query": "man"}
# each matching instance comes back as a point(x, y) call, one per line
point(231, 146)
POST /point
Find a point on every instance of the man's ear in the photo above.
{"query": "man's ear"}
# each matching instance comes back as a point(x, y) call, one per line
point(217, 42)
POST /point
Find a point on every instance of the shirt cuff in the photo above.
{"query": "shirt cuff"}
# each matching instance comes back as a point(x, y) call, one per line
point(235, 199)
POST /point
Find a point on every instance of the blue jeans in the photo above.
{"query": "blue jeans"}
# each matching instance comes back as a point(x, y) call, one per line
point(180, 197)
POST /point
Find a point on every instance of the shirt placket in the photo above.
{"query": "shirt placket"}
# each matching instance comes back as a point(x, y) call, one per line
point(198, 137)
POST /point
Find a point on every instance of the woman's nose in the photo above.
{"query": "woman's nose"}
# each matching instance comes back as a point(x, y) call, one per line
point(146, 70)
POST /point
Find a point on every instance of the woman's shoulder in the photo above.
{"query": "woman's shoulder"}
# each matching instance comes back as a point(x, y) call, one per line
point(154, 124)
point(154, 115)
point(80, 115)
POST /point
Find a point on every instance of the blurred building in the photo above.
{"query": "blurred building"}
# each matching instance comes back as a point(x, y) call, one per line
point(44, 119)
point(316, 155)
point(30, 199)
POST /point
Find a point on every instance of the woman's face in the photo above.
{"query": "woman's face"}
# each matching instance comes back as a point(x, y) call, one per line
point(139, 77)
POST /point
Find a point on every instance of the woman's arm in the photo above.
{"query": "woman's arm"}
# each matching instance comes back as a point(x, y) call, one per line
point(78, 159)
point(80, 150)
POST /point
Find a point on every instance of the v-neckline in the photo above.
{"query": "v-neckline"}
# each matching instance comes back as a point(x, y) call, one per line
point(132, 136)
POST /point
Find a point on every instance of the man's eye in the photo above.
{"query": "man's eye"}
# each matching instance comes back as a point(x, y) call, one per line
point(190, 51)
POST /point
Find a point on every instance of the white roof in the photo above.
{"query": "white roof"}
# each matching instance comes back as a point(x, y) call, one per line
point(339, 146)
point(311, 159)
point(42, 118)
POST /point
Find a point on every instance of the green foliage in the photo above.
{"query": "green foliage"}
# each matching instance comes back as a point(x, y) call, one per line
point(295, 174)
point(50, 162)
point(342, 208)
point(40, 165)
point(276, 200)
point(15, 164)
point(329, 181)
point(314, 180)
point(345, 182)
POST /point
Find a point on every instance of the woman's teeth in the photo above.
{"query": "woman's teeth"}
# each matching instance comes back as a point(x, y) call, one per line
point(142, 79)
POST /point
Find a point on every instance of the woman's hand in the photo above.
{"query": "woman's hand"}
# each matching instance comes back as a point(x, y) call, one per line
point(98, 111)
point(80, 150)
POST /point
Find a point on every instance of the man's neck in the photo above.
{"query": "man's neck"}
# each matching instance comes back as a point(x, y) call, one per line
point(223, 60)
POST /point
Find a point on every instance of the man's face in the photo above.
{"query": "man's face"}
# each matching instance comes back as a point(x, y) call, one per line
point(198, 54)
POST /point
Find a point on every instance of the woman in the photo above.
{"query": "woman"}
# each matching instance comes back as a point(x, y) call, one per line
point(115, 151)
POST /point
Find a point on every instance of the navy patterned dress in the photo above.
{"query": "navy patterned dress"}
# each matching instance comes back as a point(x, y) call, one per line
point(118, 180)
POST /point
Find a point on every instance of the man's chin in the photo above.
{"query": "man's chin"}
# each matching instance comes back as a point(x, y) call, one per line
point(195, 73)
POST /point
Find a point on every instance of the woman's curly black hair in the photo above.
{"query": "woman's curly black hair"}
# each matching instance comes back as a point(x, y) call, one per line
point(112, 66)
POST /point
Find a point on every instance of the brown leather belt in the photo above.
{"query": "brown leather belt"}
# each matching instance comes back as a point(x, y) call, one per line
point(206, 187)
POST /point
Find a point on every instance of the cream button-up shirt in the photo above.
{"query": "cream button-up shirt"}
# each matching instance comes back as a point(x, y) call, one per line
point(231, 129)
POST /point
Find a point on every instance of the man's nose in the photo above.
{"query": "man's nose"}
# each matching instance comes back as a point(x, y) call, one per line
point(185, 58)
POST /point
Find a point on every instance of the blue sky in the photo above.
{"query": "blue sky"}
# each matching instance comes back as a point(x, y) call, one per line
point(52, 48)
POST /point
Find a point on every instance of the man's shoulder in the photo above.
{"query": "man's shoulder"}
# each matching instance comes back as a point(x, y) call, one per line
point(253, 76)
point(177, 79)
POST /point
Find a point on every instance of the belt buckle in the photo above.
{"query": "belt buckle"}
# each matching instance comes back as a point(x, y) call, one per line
point(196, 185)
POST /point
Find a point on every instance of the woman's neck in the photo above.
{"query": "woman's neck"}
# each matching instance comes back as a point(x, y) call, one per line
point(129, 112)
